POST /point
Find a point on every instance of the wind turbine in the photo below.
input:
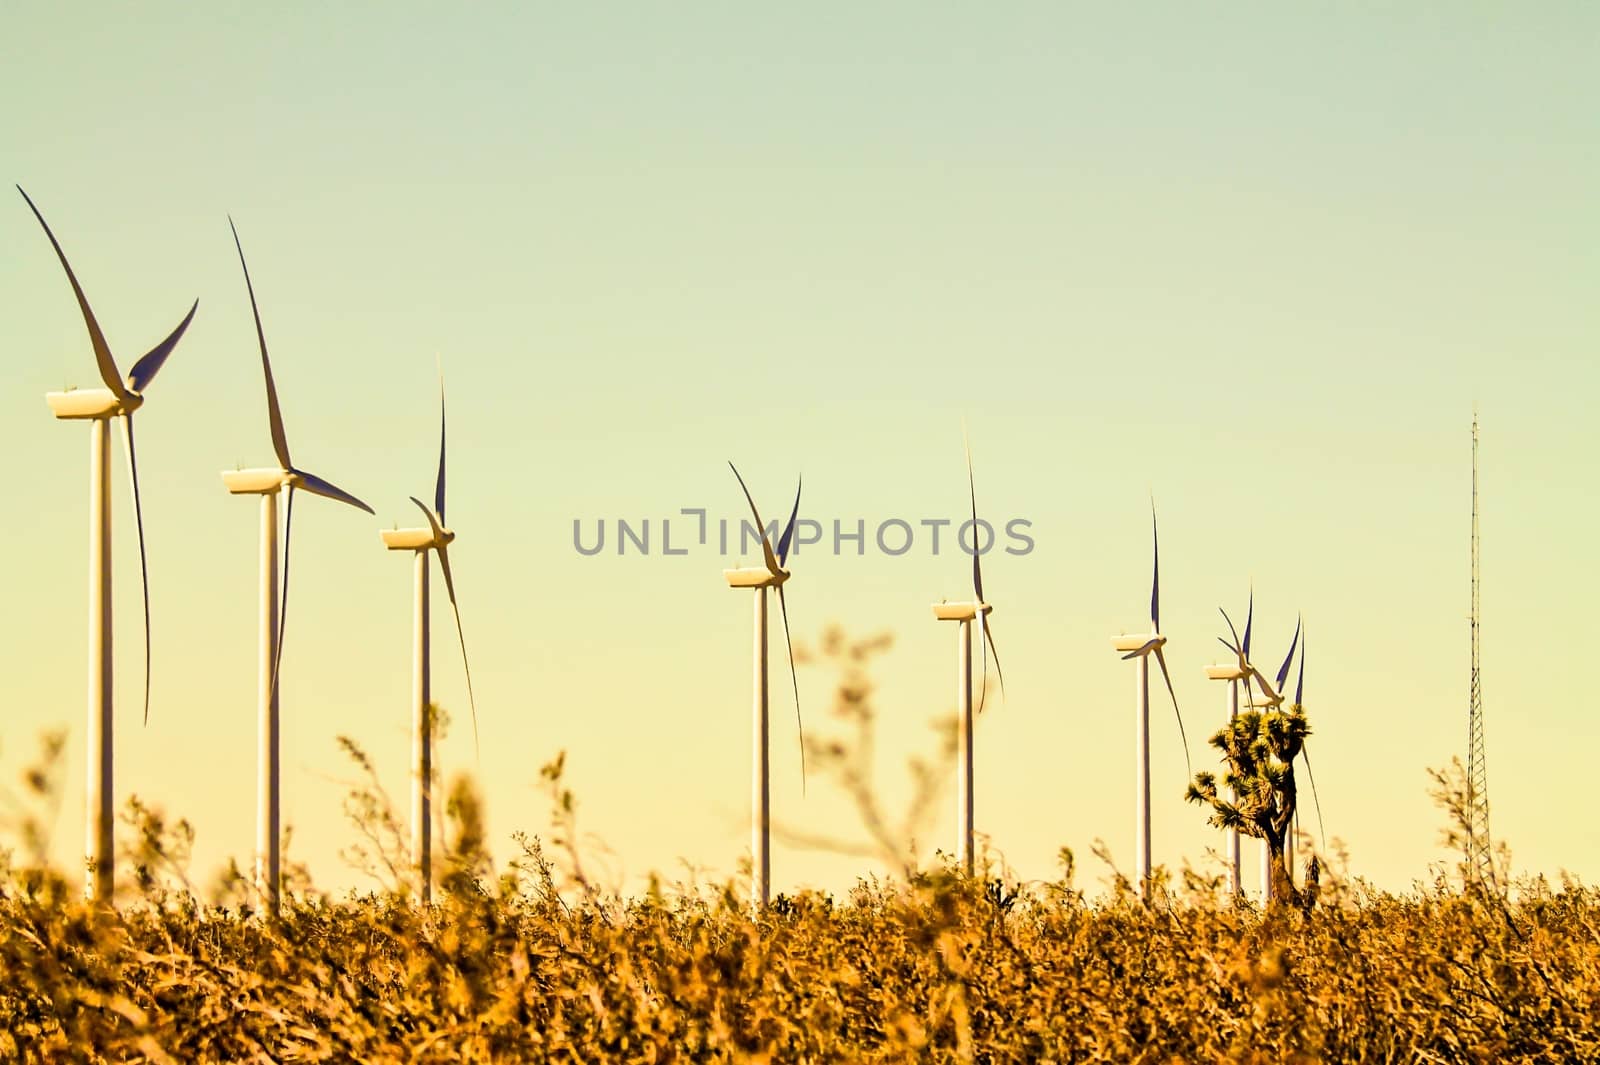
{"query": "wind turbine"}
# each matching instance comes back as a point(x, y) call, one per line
point(1271, 698)
point(267, 482)
point(436, 537)
point(964, 614)
point(98, 406)
point(1141, 648)
point(1305, 750)
point(760, 578)
point(1233, 675)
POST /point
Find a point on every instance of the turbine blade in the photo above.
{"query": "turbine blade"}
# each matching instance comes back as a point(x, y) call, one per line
point(1305, 753)
point(450, 590)
point(97, 339)
point(1236, 646)
point(144, 572)
point(1300, 684)
point(1267, 691)
point(1283, 670)
point(783, 610)
point(461, 636)
point(1162, 662)
point(317, 486)
point(766, 545)
point(438, 484)
point(972, 494)
point(788, 531)
point(1249, 621)
point(280, 442)
point(985, 639)
point(1155, 580)
point(1142, 649)
point(283, 595)
point(988, 636)
point(144, 371)
point(983, 648)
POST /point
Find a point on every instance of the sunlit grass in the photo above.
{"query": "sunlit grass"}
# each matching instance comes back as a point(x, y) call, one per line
point(537, 961)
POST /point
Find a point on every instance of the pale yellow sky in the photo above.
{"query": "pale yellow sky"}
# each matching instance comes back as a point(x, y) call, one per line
point(1258, 262)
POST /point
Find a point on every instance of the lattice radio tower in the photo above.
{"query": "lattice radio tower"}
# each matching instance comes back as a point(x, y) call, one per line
point(1480, 850)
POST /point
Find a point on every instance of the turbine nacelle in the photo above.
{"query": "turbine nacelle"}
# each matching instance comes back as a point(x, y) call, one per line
point(1225, 673)
point(267, 480)
point(88, 404)
point(1138, 646)
point(755, 577)
point(417, 539)
point(961, 611)
point(1268, 699)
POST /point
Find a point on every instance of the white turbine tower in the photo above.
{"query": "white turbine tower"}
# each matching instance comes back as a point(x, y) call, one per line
point(1233, 675)
point(1141, 648)
point(98, 406)
point(760, 578)
point(1248, 673)
point(436, 537)
point(267, 482)
point(964, 614)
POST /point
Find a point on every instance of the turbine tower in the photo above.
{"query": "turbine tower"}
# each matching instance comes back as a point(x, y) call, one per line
point(98, 406)
point(760, 578)
point(1480, 848)
point(267, 482)
point(964, 614)
point(436, 537)
point(1141, 648)
point(1249, 673)
point(1233, 675)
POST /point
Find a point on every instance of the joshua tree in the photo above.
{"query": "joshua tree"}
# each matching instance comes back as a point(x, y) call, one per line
point(1258, 750)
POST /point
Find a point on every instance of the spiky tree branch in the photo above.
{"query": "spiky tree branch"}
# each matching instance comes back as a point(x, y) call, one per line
point(1258, 750)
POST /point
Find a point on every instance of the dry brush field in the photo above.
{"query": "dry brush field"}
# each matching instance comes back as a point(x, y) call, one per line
point(533, 962)
point(938, 970)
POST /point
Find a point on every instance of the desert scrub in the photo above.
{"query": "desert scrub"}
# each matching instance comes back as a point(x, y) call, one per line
point(533, 961)
point(894, 972)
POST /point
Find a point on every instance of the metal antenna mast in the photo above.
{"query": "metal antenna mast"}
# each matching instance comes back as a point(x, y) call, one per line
point(1479, 848)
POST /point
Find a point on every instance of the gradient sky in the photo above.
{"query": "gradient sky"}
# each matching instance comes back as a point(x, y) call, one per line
point(1258, 260)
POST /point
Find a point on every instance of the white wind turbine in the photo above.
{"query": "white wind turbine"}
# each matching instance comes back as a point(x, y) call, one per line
point(1141, 648)
point(119, 399)
point(1305, 748)
point(1233, 675)
point(267, 482)
point(436, 538)
point(964, 614)
point(760, 578)
point(1270, 699)
point(1274, 698)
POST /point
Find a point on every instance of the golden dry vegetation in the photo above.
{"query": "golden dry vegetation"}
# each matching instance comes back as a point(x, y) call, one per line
point(533, 962)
